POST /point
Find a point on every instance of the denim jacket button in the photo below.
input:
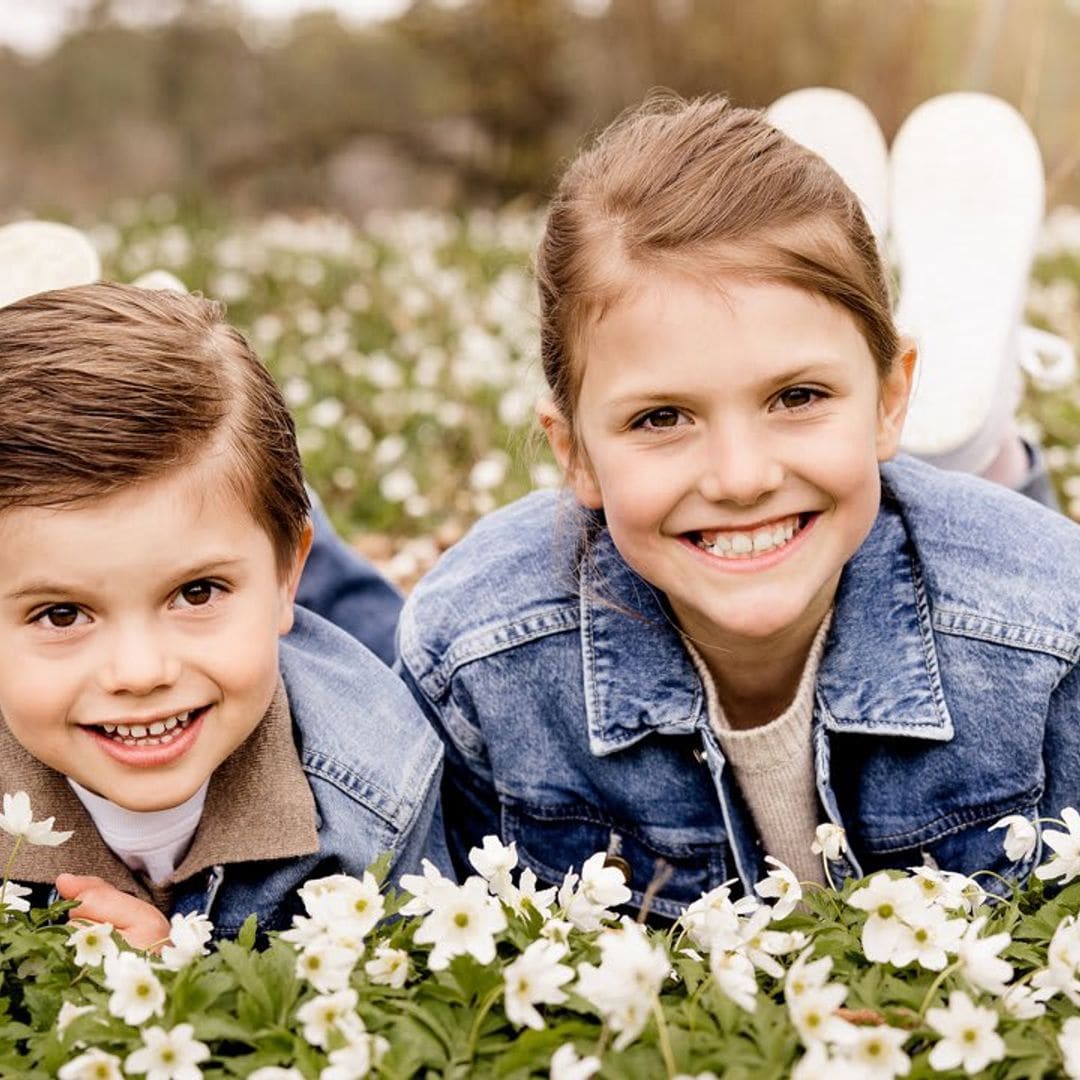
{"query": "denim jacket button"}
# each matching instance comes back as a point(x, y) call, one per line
point(699, 755)
point(620, 864)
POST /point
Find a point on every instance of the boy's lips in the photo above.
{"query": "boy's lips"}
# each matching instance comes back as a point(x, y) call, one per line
point(150, 750)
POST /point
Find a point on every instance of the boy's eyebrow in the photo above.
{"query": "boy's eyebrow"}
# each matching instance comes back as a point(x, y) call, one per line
point(52, 587)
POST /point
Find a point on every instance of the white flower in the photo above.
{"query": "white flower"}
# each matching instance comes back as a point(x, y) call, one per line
point(782, 884)
point(889, 902)
point(275, 1072)
point(761, 945)
point(1069, 1044)
point(535, 978)
point(928, 937)
point(426, 889)
point(735, 977)
point(805, 975)
point(93, 943)
point(947, 889)
point(136, 993)
point(168, 1055)
point(978, 959)
point(93, 1065)
point(320, 1016)
point(526, 893)
point(465, 919)
point(342, 905)
point(389, 968)
point(188, 936)
point(1021, 836)
point(360, 1054)
point(601, 887)
point(566, 1065)
point(557, 930)
point(829, 840)
point(1063, 959)
point(877, 1052)
point(68, 1013)
point(11, 895)
point(326, 966)
point(969, 1035)
point(16, 821)
point(625, 984)
point(713, 915)
point(813, 1012)
point(1065, 863)
point(493, 862)
point(1025, 1003)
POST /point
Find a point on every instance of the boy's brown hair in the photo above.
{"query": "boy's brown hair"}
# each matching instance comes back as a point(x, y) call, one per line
point(705, 189)
point(104, 386)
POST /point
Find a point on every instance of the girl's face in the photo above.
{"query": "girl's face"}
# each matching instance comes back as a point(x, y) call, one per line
point(732, 439)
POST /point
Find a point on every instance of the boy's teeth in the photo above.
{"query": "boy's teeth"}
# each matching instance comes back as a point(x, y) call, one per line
point(160, 731)
point(737, 544)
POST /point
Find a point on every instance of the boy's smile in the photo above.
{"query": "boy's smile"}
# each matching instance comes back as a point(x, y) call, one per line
point(732, 438)
point(138, 633)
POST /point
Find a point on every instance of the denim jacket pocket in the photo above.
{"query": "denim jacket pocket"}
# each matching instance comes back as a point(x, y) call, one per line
point(554, 839)
point(963, 843)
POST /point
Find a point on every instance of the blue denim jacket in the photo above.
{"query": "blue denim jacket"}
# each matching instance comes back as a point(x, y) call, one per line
point(574, 721)
point(372, 763)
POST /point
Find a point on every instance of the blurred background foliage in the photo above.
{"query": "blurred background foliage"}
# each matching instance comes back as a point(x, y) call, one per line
point(366, 197)
point(474, 101)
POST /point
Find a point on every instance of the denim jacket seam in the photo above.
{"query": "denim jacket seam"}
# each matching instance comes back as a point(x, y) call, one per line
point(479, 644)
point(1041, 639)
point(930, 658)
point(345, 779)
point(953, 823)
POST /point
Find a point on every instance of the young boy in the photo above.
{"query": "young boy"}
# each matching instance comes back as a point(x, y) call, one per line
point(153, 527)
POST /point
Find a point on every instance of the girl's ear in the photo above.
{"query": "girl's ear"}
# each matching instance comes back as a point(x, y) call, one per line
point(571, 457)
point(291, 581)
point(895, 393)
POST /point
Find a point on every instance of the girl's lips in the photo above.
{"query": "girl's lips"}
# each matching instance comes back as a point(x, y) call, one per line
point(150, 757)
point(755, 563)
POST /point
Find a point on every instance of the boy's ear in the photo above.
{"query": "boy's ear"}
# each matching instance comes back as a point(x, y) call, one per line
point(570, 455)
point(291, 581)
point(894, 396)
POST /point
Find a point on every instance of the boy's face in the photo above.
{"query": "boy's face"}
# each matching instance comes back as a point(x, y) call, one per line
point(139, 634)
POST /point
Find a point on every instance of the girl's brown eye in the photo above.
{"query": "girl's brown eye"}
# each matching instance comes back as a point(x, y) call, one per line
point(797, 397)
point(197, 593)
point(661, 418)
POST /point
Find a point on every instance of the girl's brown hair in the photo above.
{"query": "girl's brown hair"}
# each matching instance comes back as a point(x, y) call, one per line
point(705, 189)
point(104, 386)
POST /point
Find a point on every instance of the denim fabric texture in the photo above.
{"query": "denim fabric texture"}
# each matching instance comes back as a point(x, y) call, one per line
point(343, 587)
point(373, 765)
point(574, 721)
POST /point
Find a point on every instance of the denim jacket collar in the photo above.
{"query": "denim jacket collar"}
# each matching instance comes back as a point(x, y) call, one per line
point(622, 616)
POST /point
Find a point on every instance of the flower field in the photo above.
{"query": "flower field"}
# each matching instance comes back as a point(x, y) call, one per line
point(408, 352)
point(904, 974)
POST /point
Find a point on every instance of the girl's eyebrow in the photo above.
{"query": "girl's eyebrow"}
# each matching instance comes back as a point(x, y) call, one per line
point(39, 587)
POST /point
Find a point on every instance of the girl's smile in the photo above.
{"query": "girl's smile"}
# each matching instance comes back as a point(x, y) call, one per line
point(731, 433)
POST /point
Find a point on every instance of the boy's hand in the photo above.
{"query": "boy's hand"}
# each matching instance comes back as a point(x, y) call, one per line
point(140, 924)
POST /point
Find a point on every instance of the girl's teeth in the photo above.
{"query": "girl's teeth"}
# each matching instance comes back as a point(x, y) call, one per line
point(743, 544)
point(171, 723)
point(157, 728)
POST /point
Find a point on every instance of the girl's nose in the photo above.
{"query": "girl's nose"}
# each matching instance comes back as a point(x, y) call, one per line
point(738, 465)
point(139, 662)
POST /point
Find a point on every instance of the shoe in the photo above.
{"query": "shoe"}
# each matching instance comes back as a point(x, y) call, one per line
point(966, 203)
point(840, 128)
point(36, 256)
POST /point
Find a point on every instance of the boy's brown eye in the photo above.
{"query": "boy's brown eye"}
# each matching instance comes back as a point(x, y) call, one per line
point(197, 593)
point(61, 616)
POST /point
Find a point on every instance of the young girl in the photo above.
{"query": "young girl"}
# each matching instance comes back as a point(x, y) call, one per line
point(743, 618)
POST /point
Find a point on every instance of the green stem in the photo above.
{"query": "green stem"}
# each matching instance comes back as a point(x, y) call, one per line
point(665, 1041)
point(935, 986)
point(474, 1033)
point(8, 866)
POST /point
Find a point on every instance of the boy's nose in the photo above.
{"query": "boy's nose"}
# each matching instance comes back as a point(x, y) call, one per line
point(738, 465)
point(139, 662)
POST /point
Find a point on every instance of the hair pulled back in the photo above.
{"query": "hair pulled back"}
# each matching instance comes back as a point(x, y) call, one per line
point(708, 190)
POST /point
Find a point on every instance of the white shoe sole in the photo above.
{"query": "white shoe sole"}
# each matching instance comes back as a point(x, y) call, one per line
point(966, 205)
point(841, 129)
point(36, 256)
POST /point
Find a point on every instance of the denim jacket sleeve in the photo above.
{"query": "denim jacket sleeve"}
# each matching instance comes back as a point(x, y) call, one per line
point(1061, 746)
